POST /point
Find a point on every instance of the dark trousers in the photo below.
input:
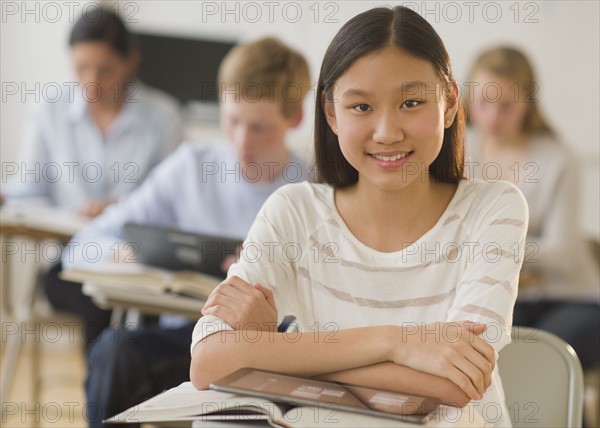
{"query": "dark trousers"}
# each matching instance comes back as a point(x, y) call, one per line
point(577, 323)
point(126, 367)
point(67, 296)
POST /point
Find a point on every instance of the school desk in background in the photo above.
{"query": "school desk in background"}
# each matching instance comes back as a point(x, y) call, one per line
point(174, 271)
point(30, 235)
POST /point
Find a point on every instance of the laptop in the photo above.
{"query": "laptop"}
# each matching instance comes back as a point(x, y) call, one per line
point(174, 249)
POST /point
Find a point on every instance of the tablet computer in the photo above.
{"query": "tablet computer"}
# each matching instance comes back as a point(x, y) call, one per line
point(174, 249)
point(293, 390)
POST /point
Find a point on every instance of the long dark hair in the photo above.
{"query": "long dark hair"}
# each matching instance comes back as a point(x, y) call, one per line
point(369, 32)
point(104, 25)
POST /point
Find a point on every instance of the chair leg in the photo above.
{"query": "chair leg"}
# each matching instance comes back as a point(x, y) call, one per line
point(592, 397)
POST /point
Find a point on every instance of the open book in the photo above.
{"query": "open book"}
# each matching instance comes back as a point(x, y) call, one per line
point(185, 403)
point(145, 279)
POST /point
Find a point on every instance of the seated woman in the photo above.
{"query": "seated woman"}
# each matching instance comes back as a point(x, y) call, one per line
point(100, 140)
point(510, 140)
point(89, 149)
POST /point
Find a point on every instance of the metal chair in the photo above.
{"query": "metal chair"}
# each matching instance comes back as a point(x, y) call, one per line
point(542, 379)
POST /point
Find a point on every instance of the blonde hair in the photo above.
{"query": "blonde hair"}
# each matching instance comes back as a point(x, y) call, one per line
point(511, 64)
point(266, 69)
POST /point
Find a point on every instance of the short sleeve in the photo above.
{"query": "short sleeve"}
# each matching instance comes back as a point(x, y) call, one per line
point(206, 326)
point(487, 290)
point(264, 259)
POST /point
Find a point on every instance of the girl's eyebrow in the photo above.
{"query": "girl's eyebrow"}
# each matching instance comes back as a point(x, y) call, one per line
point(358, 92)
point(412, 86)
point(409, 87)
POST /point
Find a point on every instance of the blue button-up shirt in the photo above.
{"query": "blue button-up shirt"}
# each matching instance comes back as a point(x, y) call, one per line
point(199, 188)
point(66, 161)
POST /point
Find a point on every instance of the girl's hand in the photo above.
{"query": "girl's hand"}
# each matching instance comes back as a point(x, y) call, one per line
point(451, 350)
point(242, 305)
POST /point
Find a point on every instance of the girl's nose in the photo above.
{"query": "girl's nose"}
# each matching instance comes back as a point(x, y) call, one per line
point(389, 128)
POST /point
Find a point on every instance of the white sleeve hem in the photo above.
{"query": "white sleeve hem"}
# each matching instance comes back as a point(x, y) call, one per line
point(207, 325)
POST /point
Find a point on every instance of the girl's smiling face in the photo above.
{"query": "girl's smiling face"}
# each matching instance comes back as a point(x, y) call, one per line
point(389, 112)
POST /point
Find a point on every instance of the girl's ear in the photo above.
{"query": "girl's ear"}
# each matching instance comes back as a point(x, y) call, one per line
point(452, 106)
point(328, 108)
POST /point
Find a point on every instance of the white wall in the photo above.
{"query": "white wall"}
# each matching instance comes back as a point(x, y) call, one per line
point(561, 38)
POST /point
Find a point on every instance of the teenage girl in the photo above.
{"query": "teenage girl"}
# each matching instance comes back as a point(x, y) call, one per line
point(402, 274)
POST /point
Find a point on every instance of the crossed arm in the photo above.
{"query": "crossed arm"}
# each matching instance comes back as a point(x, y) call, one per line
point(388, 357)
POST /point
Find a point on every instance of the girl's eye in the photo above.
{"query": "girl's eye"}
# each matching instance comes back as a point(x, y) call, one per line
point(410, 103)
point(362, 107)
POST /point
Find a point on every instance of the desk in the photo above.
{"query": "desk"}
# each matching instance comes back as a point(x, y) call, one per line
point(41, 221)
point(38, 224)
point(35, 225)
point(120, 299)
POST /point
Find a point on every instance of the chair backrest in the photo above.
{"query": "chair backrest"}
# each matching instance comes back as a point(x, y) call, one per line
point(542, 379)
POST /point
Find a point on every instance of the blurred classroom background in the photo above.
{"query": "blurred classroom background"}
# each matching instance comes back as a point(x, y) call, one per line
point(561, 38)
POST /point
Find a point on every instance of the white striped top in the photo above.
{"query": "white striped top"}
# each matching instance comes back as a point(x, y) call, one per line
point(465, 268)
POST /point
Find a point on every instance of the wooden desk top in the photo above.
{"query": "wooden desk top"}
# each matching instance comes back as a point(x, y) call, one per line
point(41, 223)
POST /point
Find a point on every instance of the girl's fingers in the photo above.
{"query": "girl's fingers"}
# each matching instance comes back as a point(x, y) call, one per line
point(222, 312)
point(473, 373)
point(475, 327)
point(251, 291)
point(463, 382)
point(244, 287)
point(220, 300)
point(232, 292)
point(477, 342)
point(233, 287)
point(485, 349)
point(236, 280)
point(483, 365)
point(268, 293)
